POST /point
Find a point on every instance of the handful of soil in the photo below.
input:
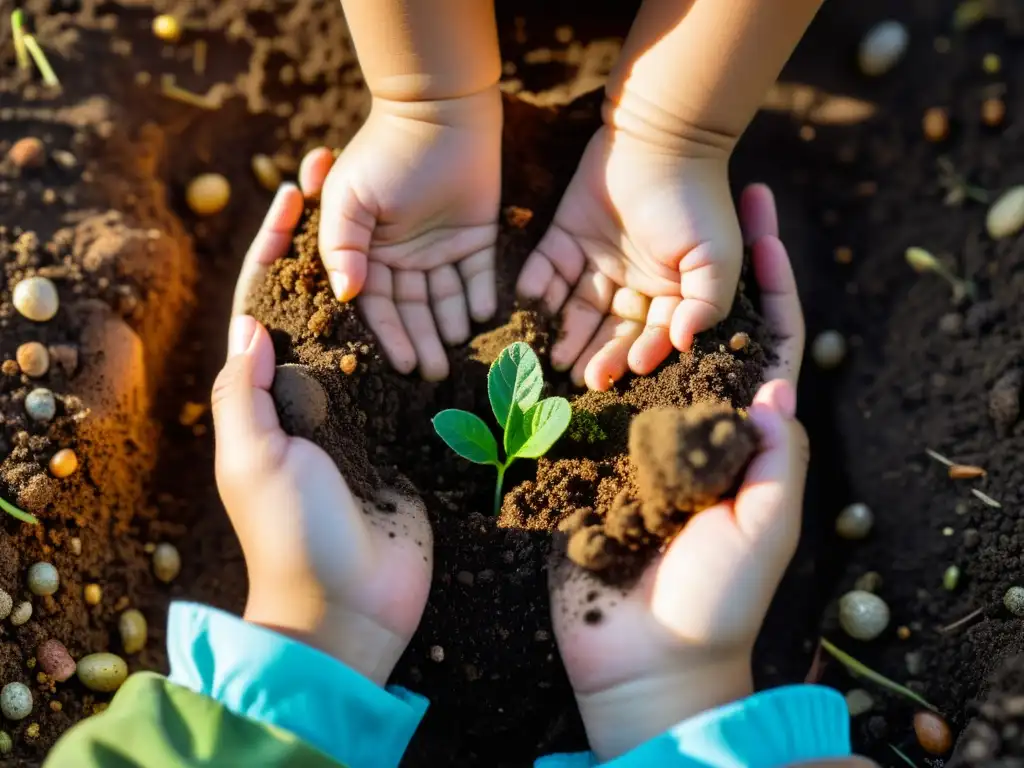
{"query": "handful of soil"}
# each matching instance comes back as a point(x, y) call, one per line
point(686, 459)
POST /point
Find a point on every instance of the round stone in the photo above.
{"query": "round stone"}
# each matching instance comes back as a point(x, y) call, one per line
point(862, 615)
point(855, 521)
point(36, 298)
point(16, 701)
point(6, 605)
point(828, 349)
point(41, 405)
point(33, 359)
point(166, 562)
point(43, 579)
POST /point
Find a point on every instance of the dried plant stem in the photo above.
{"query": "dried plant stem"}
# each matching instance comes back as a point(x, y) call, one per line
point(18, 32)
point(960, 622)
point(902, 756)
point(42, 63)
point(986, 499)
point(19, 514)
point(938, 457)
point(866, 672)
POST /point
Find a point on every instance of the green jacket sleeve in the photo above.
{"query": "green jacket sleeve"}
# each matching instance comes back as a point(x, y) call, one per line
point(152, 723)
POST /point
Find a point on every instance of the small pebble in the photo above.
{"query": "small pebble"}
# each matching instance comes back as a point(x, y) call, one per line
point(951, 323)
point(862, 615)
point(828, 350)
point(76, 545)
point(739, 342)
point(1014, 600)
point(465, 578)
point(32, 732)
point(948, 531)
point(348, 364)
point(63, 463)
point(16, 701)
point(903, 633)
point(55, 660)
point(41, 405)
point(266, 172)
point(43, 579)
point(855, 521)
point(915, 663)
point(6, 744)
point(932, 733)
point(29, 152)
point(6, 604)
point(858, 701)
point(93, 594)
point(21, 614)
point(991, 63)
point(1006, 215)
point(166, 562)
point(951, 578)
point(869, 582)
point(993, 111)
point(935, 124)
point(36, 298)
point(208, 194)
point(167, 28)
point(882, 47)
point(133, 629)
point(33, 359)
point(102, 672)
point(436, 653)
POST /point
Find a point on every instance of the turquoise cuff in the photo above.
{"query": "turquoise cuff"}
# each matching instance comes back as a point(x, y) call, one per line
point(264, 676)
point(770, 729)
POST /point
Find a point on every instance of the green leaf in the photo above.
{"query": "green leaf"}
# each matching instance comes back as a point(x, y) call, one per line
point(20, 514)
point(515, 378)
point(538, 429)
point(467, 435)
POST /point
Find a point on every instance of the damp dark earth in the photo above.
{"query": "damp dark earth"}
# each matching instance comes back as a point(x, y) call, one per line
point(115, 295)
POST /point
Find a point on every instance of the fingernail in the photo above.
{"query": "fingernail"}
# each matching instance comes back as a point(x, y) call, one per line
point(240, 334)
point(340, 285)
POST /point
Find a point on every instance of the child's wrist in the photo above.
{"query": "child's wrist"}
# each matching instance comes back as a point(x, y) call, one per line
point(479, 109)
point(623, 717)
point(353, 639)
point(642, 117)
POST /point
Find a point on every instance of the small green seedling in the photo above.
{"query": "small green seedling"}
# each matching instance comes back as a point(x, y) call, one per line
point(18, 32)
point(20, 514)
point(531, 425)
point(921, 261)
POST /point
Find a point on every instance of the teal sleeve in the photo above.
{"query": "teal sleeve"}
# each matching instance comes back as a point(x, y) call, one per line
point(770, 729)
point(280, 682)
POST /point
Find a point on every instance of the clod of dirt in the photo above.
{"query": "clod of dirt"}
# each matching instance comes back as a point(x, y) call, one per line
point(300, 399)
point(1004, 400)
point(687, 459)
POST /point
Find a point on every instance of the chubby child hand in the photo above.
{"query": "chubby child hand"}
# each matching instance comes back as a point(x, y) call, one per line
point(322, 568)
point(644, 252)
point(680, 641)
point(409, 223)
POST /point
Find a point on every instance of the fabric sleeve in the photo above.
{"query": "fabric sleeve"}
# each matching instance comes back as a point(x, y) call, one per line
point(770, 729)
point(269, 678)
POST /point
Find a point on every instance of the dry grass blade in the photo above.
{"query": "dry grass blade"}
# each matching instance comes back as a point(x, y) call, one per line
point(902, 756)
point(16, 513)
point(42, 63)
point(867, 673)
point(966, 472)
point(984, 497)
point(939, 457)
point(960, 622)
point(18, 33)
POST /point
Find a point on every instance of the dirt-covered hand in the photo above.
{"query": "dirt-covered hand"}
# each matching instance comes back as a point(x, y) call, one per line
point(409, 223)
point(644, 252)
point(679, 641)
point(323, 567)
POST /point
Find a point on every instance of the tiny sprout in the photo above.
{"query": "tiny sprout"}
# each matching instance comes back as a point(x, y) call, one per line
point(951, 578)
point(531, 425)
point(18, 514)
point(18, 32)
point(956, 186)
point(922, 261)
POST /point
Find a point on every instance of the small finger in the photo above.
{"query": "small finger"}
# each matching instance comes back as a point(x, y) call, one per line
point(780, 304)
point(689, 318)
point(655, 343)
point(448, 299)
point(411, 297)
point(313, 171)
point(556, 294)
point(480, 279)
point(272, 241)
point(604, 361)
point(535, 276)
point(707, 283)
point(346, 229)
point(557, 253)
point(581, 317)
point(377, 305)
point(758, 216)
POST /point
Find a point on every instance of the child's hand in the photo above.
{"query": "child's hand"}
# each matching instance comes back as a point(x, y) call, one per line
point(646, 248)
point(409, 223)
point(322, 566)
point(680, 642)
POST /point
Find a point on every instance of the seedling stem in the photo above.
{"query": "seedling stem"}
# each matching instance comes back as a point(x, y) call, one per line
point(19, 514)
point(18, 31)
point(858, 668)
point(41, 62)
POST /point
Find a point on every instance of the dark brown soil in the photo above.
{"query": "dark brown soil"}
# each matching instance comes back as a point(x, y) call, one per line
point(995, 736)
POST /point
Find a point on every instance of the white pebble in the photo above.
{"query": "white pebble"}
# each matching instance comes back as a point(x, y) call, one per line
point(1014, 600)
point(436, 653)
point(855, 521)
point(6, 604)
point(43, 579)
point(883, 46)
point(859, 701)
point(36, 298)
point(16, 701)
point(828, 350)
point(166, 562)
point(21, 613)
point(41, 405)
point(862, 615)
point(1006, 215)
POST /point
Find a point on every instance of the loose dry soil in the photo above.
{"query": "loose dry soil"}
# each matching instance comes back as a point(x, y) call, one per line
point(145, 292)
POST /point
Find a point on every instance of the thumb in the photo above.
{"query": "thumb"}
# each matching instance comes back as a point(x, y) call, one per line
point(346, 228)
point(245, 420)
point(707, 282)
